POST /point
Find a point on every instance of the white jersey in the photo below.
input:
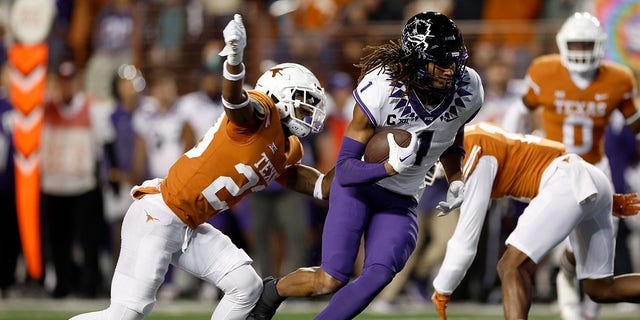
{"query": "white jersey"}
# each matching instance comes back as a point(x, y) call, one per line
point(388, 106)
point(162, 132)
point(200, 111)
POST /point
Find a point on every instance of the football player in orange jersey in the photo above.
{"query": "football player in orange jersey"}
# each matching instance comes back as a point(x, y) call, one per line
point(577, 91)
point(254, 143)
point(567, 197)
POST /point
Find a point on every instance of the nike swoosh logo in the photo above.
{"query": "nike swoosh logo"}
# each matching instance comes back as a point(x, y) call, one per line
point(405, 158)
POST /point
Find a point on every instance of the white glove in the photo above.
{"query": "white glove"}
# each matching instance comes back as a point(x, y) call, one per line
point(402, 158)
point(235, 38)
point(455, 196)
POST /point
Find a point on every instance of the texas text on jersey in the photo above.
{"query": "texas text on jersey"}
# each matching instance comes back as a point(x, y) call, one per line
point(578, 117)
point(197, 188)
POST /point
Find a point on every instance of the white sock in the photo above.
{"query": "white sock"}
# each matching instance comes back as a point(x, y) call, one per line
point(568, 297)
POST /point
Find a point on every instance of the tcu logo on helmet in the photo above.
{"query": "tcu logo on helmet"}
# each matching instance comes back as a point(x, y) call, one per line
point(415, 34)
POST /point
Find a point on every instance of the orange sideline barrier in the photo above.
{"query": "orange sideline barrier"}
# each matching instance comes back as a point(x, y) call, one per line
point(27, 85)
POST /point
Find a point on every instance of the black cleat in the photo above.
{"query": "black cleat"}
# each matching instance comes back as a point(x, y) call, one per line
point(268, 303)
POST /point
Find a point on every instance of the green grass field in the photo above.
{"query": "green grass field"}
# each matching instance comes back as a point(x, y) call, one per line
point(46, 309)
point(57, 315)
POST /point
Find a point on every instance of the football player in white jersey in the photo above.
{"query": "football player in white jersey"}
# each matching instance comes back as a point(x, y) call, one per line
point(420, 84)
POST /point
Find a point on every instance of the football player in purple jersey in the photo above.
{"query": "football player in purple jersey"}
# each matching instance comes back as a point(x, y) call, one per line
point(420, 84)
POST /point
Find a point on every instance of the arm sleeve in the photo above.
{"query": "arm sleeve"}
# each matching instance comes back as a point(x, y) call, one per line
point(350, 170)
point(463, 245)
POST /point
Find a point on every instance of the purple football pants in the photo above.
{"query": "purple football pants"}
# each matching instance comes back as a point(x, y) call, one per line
point(389, 224)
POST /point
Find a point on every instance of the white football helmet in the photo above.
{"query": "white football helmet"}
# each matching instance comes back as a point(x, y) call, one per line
point(298, 95)
point(581, 27)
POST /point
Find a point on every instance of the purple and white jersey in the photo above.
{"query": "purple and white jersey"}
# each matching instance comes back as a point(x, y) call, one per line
point(162, 132)
point(388, 106)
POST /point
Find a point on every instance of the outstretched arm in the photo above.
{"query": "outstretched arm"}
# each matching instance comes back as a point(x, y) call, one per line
point(309, 181)
point(451, 161)
point(234, 97)
point(463, 245)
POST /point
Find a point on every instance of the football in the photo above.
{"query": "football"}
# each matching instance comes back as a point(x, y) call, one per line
point(377, 149)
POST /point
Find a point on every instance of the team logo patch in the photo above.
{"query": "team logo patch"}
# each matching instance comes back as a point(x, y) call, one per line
point(275, 71)
point(272, 146)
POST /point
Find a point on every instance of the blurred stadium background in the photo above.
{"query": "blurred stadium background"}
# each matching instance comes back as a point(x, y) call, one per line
point(184, 36)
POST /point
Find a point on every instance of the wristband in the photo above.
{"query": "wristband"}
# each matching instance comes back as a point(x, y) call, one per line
point(230, 76)
point(242, 104)
point(317, 189)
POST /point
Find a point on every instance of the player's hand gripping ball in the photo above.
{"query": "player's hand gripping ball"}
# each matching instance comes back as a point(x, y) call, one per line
point(377, 150)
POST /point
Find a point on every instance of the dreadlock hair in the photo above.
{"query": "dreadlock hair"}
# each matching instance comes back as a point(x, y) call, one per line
point(399, 62)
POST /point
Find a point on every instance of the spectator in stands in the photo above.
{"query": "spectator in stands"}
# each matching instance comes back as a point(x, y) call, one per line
point(279, 230)
point(201, 108)
point(170, 31)
point(163, 134)
point(127, 86)
point(116, 41)
point(514, 34)
point(74, 129)
point(340, 104)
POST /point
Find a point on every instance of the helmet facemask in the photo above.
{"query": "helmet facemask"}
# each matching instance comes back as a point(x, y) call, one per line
point(433, 75)
point(298, 96)
point(581, 42)
point(304, 113)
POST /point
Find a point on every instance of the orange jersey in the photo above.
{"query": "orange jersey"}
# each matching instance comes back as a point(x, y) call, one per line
point(228, 163)
point(521, 158)
point(579, 117)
